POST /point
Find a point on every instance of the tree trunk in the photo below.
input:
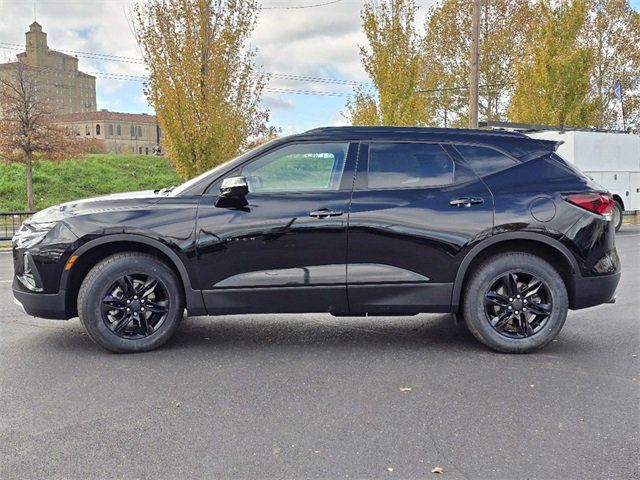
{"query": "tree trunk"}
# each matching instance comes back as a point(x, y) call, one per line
point(29, 171)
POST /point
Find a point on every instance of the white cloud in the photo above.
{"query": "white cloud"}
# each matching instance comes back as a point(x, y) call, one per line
point(319, 42)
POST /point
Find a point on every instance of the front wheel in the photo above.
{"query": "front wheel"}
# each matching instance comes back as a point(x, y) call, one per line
point(515, 303)
point(130, 302)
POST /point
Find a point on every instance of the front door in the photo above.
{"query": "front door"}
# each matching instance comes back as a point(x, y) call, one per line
point(415, 210)
point(284, 249)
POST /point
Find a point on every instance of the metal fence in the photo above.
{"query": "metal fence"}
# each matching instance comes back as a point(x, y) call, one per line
point(10, 222)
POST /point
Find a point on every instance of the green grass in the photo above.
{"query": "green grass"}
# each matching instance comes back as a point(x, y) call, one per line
point(96, 174)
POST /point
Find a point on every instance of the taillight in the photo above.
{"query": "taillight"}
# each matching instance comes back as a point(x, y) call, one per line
point(600, 203)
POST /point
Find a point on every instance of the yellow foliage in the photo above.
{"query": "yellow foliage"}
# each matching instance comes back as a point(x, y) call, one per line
point(203, 81)
point(394, 62)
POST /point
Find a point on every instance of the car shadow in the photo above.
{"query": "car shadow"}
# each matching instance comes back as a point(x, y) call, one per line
point(321, 330)
point(243, 333)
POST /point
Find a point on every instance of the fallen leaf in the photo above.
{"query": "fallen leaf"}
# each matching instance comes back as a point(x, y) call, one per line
point(177, 404)
point(437, 470)
point(532, 385)
point(405, 389)
point(389, 469)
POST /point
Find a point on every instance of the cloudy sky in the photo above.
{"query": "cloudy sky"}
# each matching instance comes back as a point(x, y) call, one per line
point(314, 41)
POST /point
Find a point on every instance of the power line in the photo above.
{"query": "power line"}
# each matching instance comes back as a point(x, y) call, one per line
point(280, 76)
point(299, 7)
point(140, 61)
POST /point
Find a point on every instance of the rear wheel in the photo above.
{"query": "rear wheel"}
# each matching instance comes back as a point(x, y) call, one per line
point(515, 303)
point(130, 302)
point(616, 215)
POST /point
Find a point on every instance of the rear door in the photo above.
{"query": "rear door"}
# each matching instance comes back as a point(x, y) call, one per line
point(416, 209)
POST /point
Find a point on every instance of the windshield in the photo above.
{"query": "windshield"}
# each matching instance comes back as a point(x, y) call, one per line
point(213, 172)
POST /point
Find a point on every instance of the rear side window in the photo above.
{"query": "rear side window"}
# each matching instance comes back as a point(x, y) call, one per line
point(483, 160)
point(408, 165)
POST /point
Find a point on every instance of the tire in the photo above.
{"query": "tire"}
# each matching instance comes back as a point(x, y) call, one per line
point(490, 292)
point(113, 297)
point(617, 215)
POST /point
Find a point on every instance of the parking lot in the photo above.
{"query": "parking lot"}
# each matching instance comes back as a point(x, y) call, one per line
point(313, 396)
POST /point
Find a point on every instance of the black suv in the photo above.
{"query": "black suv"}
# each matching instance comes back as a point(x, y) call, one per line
point(491, 225)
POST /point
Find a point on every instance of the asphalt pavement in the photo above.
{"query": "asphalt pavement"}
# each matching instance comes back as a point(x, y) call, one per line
point(313, 396)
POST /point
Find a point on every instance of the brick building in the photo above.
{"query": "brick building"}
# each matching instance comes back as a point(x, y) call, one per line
point(120, 132)
point(64, 88)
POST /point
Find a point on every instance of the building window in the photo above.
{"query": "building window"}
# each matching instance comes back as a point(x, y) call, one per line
point(110, 130)
point(146, 151)
point(97, 129)
point(87, 130)
point(139, 131)
point(119, 130)
point(140, 150)
point(133, 131)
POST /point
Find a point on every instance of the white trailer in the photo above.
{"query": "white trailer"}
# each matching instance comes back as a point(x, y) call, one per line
point(611, 159)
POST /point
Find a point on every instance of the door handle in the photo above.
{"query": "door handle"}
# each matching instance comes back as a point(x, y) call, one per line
point(325, 212)
point(466, 202)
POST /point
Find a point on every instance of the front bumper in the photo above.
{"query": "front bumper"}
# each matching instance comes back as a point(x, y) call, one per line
point(43, 305)
point(592, 291)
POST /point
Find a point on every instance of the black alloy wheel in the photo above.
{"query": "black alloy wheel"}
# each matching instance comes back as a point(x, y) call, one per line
point(135, 306)
point(515, 302)
point(518, 305)
point(131, 302)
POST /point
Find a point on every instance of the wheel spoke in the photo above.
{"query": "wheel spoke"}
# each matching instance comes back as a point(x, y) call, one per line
point(495, 298)
point(532, 288)
point(159, 306)
point(540, 309)
point(503, 320)
point(510, 282)
point(112, 303)
point(122, 323)
point(523, 325)
point(126, 284)
point(144, 325)
point(148, 288)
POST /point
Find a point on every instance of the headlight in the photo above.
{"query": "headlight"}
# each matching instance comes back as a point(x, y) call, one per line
point(31, 234)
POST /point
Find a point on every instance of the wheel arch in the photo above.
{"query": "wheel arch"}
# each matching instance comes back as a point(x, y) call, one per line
point(537, 244)
point(98, 249)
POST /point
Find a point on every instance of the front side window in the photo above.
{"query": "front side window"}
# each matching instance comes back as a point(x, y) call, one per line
point(110, 130)
point(483, 160)
point(298, 168)
point(408, 165)
point(119, 130)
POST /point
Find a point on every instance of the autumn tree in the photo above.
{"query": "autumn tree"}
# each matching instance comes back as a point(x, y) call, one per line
point(612, 32)
point(553, 78)
point(203, 80)
point(27, 134)
point(505, 29)
point(392, 59)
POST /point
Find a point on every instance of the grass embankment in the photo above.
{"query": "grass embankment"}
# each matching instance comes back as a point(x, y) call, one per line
point(95, 174)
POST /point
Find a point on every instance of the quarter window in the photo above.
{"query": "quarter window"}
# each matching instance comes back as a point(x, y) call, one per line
point(297, 168)
point(484, 161)
point(408, 165)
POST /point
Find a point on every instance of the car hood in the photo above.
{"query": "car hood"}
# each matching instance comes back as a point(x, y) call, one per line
point(116, 201)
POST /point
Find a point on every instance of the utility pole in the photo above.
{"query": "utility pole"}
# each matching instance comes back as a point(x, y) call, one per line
point(474, 58)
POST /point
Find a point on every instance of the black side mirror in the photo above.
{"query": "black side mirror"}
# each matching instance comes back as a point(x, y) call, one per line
point(234, 187)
